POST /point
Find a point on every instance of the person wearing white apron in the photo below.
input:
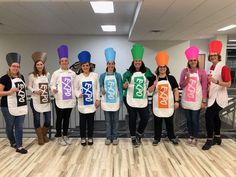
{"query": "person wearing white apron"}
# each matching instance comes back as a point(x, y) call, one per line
point(40, 100)
point(63, 90)
point(165, 99)
point(193, 81)
point(87, 90)
point(135, 81)
point(14, 102)
point(112, 97)
point(219, 79)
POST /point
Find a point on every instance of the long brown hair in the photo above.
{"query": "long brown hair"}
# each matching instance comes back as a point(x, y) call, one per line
point(36, 72)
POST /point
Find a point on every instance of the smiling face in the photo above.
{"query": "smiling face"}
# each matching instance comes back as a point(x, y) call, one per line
point(110, 66)
point(214, 58)
point(39, 66)
point(193, 63)
point(85, 67)
point(14, 68)
point(137, 64)
point(162, 70)
point(64, 63)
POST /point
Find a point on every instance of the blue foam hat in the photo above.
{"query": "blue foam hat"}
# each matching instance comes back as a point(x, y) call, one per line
point(110, 54)
point(84, 57)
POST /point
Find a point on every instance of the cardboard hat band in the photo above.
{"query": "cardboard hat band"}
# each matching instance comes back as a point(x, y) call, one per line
point(215, 47)
point(42, 56)
point(84, 57)
point(137, 52)
point(62, 51)
point(110, 54)
point(192, 53)
point(162, 58)
point(13, 58)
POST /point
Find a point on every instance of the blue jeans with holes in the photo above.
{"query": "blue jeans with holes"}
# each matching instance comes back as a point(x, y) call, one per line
point(192, 121)
point(47, 117)
point(12, 122)
point(112, 119)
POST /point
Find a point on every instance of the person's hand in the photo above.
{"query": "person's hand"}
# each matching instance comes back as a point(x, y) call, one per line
point(203, 105)
point(13, 90)
point(151, 89)
point(97, 103)
point(126, 84)
point(187, 77)
point(38, 92)
point(81, 95)
point(103, 91)
point(211, 79)
point(55, 91)
point(176, 105)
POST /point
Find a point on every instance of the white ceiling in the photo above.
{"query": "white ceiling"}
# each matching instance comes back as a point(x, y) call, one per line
point(177, 19)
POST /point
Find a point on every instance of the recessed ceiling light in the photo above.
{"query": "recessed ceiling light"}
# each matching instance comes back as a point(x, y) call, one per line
point(103, 7)
point(227, 28)
point(109, 28)
point(156, 31)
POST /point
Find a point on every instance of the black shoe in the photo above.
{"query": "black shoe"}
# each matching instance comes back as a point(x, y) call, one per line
point(138, 138)
point(217, 140)
point(155, 142)
point(13, 146)
point(134, 142)
point(21, 150)
point(207, 145)
point(90, 141)
point(174, 141)
point(83, 142)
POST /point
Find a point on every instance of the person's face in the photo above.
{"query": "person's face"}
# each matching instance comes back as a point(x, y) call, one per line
point(14, 68)
point(39, 66)
point(110, 66)
point(85, 67)
point(64, 63)
point(192, 63)
point(213, 57)
point(162, 69)
point(137, 64)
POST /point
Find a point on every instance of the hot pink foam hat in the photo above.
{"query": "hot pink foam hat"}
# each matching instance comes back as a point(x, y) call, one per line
point(192, 53)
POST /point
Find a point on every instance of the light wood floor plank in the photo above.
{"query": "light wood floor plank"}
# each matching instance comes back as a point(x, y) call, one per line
point(99, 160)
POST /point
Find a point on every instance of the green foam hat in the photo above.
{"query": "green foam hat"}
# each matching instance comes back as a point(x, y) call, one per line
point(137, 52)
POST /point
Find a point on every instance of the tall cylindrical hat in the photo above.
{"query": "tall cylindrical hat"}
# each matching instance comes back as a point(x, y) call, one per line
point(13, 58)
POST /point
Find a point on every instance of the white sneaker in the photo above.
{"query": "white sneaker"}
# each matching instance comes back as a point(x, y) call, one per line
point(67, 140)
point(61, 141)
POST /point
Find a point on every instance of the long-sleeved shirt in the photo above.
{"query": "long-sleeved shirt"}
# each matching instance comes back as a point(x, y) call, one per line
point(203, 80)
point(118, 80)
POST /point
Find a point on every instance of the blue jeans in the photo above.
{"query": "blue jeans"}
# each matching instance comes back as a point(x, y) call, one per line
point(112, 119)
point(192, 121)
point(11, 123)
point(47, 117)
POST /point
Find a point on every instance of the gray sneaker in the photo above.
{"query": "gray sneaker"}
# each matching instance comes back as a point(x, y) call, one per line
point(115, 142)
point(107, 142)
point(61, 141)
point(67, 140)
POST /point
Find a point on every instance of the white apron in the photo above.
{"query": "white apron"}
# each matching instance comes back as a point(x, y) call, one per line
point(163, 100)
point(137, 91)
point(41, 102)
point(87, 103)
point(110, 101)
point(65, 97)
point(17, 102)
point(216, 92)
point(192, 93)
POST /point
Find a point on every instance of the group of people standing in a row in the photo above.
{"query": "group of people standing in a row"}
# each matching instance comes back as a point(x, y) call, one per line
point(199, 90)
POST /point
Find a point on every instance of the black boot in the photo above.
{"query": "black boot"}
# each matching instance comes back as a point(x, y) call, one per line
point(134, 142)
point(207, 145)
point(217, 140)
point(138, 138)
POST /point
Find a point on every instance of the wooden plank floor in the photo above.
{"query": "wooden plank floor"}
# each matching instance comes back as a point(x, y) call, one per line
point(99, 160)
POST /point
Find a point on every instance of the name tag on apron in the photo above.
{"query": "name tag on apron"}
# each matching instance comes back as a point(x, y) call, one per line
point(87, 91)
point(110, 87)
point(66, 88)
point(138, 87)
point(21, 94)
point(163, 97)
point(191, 87)
point(44, 97)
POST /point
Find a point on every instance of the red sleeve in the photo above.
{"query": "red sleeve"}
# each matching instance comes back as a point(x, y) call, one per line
point(225, 74)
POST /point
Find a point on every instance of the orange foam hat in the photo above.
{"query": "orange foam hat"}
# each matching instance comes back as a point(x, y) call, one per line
point(162, 58)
